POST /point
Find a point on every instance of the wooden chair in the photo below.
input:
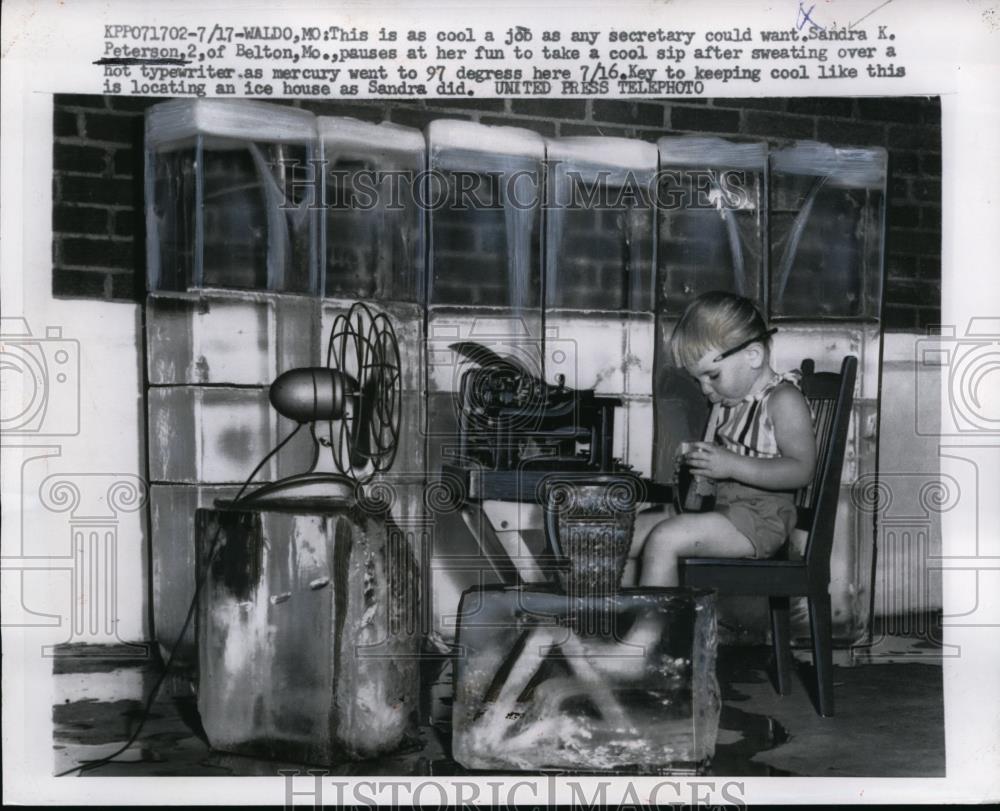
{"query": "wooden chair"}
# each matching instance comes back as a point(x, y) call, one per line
point(830, 397)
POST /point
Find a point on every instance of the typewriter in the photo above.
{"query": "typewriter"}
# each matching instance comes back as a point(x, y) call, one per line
point(516, 430)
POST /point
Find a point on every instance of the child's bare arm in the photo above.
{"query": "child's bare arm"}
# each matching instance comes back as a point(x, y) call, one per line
point(794, 435)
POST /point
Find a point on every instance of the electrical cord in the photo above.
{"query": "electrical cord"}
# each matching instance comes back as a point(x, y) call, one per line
point(215, 547)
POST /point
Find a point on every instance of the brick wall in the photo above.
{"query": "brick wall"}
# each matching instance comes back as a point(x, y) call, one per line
point(98, 235)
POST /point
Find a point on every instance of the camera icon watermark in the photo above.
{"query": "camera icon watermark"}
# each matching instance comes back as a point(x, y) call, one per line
point(968, 369)
point(40, 389)
point(513, 367)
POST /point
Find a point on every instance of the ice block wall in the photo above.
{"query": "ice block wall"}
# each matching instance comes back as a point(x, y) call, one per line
point(712, 235)
point(239, 257)
point(245, 280)
point(484, 284)
point(232, 303)
point(373, 250)
point(803, 238)
point(827, 212)
point(599, 275)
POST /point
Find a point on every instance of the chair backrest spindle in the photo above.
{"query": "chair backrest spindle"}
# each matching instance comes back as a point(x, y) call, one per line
point(830, 398)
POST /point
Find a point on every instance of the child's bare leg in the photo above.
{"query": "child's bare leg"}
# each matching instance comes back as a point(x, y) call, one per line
point(645, 522)
point(690, 534)
point(662, 540)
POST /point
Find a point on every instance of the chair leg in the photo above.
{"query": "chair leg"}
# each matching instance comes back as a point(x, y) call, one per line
point(822, 638)
point(780, 640)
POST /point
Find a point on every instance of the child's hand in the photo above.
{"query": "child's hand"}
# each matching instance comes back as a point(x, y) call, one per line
point(712, 461)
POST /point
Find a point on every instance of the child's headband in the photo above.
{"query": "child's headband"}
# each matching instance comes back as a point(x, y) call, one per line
point(745, 344)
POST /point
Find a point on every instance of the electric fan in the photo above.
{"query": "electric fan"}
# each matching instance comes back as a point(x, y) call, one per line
point(357, 394)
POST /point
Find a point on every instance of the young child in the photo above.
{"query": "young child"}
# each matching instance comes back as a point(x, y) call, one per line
point(759, 444)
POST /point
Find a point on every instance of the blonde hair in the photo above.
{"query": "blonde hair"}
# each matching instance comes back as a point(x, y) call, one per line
point(716, 321)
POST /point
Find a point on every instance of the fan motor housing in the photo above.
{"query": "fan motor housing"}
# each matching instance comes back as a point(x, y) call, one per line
point(311, 393)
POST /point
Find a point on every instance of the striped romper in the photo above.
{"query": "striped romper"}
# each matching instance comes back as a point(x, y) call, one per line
point(765, 517)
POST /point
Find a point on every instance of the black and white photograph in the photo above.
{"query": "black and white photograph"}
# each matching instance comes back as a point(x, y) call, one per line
point(563, 445)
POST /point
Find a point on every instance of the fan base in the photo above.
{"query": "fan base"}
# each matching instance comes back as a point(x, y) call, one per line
point(307, 491)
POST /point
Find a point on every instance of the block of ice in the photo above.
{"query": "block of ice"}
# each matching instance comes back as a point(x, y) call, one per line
point(230, 196)
point(372, 223)
point(444, 136)
point(599, 228)
point(172, 216)
point(411, 453)
point(712, 218)
point(389, 145)
point(443, 410)
point(598, 152)
point(174, 122)
point(640, 350)
point(217, 435)
point(588, 350)
point(308, 635)
point(486, 252)
point(486, 230)
point(700, 152)
point(543, 681)
point(680, 408)
point(827, 343)
point(451, 576)
point(233, 337)
point(826, 217)
point(172, 511)
point(638, 417)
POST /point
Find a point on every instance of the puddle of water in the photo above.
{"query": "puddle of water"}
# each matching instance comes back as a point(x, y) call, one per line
point(753, 734)
point(173, 742)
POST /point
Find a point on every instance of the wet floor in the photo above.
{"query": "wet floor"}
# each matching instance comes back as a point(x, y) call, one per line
point(890, 709)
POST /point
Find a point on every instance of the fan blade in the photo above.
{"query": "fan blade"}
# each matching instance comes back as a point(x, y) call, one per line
point(363, 347)
point(361, 447)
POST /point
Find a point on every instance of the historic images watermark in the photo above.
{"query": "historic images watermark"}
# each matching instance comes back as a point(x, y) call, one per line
point(318, 184)
point(316, 787)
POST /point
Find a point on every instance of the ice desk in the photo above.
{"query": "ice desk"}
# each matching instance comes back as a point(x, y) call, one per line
point(569, 675)
point(306, 632)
